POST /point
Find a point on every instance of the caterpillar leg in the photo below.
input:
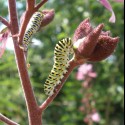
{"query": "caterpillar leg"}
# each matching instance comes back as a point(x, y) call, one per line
point(49, 90)
point(21, 47)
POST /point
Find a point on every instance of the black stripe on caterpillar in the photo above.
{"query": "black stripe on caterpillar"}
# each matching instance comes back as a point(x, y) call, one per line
point(32, 28)
point(61, 62)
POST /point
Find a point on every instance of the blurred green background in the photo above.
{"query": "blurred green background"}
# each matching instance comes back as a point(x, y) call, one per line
point(108, 87)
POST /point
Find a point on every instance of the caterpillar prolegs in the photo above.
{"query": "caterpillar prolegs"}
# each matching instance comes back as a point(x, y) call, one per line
point(32, 28)
point(61, 62)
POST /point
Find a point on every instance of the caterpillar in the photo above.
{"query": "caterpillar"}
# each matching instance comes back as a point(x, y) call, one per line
point(32, 28)
point(61, 62)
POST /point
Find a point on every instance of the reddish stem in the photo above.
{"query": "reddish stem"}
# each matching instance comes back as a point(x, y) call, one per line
point(5, 22)
point(30, 4)
point(40, 4)
point(7, 120)
point(32, 107)
point(73, 64)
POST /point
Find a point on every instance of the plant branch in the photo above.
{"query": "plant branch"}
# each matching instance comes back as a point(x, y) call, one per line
point(31, 103)
point(45, 104)
point(30, 4)
point(7, 120)
point(40, 4)
point(5, 22)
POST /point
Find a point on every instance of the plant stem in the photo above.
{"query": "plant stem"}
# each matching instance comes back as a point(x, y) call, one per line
point(34, 115)
point(7, 120)
point(73, 64)
point(40, 4)
point(5, 22)
point(30, 4)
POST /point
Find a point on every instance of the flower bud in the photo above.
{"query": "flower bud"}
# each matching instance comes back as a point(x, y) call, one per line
point(93, 44)
point(104, 48)
point(48, 17)
point(87, 44)
point(83, 30)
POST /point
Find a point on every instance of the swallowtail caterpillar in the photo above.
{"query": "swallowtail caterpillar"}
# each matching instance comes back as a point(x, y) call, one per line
point(32, 27)
point(61, 62)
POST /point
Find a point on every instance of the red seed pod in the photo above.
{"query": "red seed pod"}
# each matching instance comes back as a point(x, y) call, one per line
point(48, 17)
point(88, 43)
point(104, 48)
point(82, 30)
point(93, 44)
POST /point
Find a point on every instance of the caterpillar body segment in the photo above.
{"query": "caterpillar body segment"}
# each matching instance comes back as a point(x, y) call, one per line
point(32, 28)
point(61, 62)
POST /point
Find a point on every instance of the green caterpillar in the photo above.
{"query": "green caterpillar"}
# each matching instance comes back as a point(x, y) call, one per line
point(61, 63)
point(32, 28)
